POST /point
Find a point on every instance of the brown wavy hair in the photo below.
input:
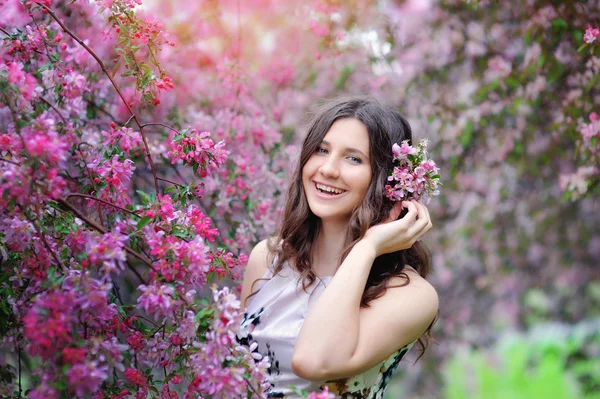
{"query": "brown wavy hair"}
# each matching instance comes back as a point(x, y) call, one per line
point(299, 227)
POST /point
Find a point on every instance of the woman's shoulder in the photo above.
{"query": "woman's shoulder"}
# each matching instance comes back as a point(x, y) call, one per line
point(258, 263)
point(416, 286)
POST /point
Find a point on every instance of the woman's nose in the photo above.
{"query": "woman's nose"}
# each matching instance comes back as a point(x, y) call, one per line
point(330, 168)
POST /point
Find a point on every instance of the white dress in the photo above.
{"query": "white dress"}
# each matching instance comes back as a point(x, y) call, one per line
point(273, 319)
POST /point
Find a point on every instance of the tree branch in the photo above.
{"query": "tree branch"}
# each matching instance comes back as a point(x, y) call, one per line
point(116, 87)
point(102, 201)
point(160, 124)
point(102, 230)
point(54, 108)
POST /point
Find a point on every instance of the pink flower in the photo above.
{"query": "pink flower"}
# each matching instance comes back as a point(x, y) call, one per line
point(157, 300)
point(126, 138)
point(498, 67)
point(17, 232)
point(48, 323)
point(320, 30)
point(116, 172)
point(591, 34)
point(166, 209)
point(324, 394)
point(85, 378)
point(136, 377)
point(107, 251)
point(401, 151)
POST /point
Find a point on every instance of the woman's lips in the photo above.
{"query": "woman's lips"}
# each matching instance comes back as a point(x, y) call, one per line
point(326, 196)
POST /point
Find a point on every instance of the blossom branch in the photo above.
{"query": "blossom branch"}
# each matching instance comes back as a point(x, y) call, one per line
point(9, 161)
point(102, 201)
point(170, 181)
point(103, 231)
point(54, 108)
point(114, 84)
point(160, 124)
point(46, 245)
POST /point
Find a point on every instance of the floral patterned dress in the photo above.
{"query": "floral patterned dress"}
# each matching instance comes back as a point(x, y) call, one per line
point(273, 319)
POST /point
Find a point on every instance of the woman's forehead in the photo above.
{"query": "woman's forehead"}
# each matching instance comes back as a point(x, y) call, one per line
point(349, 133)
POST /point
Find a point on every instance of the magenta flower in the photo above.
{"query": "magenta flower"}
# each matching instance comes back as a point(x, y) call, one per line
point(126, 138)
point(402, 151)
point(591, 34)
point(48, 323)
point(85, 378)
point(157, 300)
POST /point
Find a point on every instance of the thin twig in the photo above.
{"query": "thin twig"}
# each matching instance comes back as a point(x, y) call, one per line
point(98, 208)
point(116, 87)
point(170, 181)
point(103, 201)
point(7, 34)
point(13, 162)
point(43, 239)
point(54, 108)
point(160, 124)
point(103, 231)
point(128, 120)
point(117, 292)
point(20, 384)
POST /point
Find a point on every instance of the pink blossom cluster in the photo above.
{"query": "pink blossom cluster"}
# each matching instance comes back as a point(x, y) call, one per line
point(125, 138)
point(22, 82)
point(592, 129)
point(220, 348)
point(413, 176)
point(591, 34)
point(114, 175)
point(57, 323)
point(199, 150)
point(106, 252)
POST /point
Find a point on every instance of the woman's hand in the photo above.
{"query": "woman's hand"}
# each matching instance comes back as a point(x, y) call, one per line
point(394, 235)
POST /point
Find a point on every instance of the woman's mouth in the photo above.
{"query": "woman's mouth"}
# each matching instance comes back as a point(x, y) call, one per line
point(328, 191)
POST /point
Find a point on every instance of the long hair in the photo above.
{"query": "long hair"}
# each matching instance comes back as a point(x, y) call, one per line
point(300, 227)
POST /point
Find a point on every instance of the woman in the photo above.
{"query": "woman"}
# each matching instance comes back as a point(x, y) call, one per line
point(360, 306)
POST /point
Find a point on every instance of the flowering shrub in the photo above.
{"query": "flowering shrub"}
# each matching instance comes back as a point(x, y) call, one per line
point(75, 231)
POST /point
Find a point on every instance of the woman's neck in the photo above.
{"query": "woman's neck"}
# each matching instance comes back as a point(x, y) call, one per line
point(328, 248)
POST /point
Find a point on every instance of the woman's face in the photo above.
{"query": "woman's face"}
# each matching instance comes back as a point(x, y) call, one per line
point(337, 176)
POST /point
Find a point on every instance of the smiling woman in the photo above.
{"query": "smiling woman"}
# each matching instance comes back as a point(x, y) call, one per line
point(337, 304)
point(336, 177)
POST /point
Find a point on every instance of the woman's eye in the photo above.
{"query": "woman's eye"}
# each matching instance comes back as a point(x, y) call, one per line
point(355, 159)
point(321, 150)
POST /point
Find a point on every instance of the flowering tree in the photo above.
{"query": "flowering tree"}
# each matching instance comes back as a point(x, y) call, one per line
point(139, 162)
point(75, 231)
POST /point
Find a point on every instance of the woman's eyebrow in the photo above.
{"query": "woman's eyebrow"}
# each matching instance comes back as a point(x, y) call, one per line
point(348, 149)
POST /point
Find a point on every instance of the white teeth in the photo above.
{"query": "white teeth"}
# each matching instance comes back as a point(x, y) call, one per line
point(330, 189)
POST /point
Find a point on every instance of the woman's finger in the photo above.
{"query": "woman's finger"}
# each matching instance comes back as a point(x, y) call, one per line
point(410, 217)
point(428, 214)
point(421, 226)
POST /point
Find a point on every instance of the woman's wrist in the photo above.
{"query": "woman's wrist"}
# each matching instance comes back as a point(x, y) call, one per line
point(367, 247)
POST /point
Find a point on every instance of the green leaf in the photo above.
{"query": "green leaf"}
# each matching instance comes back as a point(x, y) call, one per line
point(344, 76)
point(559, 24)
point(467, 134)
point(143, 221)
point(582, 47)
point(145, 198)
